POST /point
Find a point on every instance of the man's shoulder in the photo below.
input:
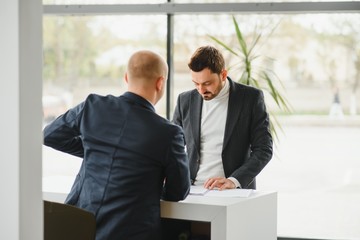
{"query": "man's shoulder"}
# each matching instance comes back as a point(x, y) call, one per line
point(244, 86)
point(185, 99)
point(166, 127)
point(95, 96)
point(187, 94)
point(96, 99)
point(238, 87)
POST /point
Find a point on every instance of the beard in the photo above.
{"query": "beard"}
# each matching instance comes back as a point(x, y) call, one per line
point(208, 96)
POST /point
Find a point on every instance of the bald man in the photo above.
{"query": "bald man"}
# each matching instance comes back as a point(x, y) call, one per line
point(132, 157)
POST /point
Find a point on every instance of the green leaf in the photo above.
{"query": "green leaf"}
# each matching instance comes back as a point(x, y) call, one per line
point(256, 75)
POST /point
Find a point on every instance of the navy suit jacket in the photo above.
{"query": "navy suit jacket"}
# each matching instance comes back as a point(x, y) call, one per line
point(132, 157)
point(247, 144)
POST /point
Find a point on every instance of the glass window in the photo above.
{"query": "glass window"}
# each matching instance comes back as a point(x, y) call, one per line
point(83, 55)
point(316, 166)
point(314, 59)
point(317, 53)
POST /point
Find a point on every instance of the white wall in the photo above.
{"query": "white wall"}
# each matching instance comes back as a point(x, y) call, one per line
point(20, 120)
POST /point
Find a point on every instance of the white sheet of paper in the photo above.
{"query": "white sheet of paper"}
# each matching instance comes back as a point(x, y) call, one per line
point(198, 190)
point(229, 193)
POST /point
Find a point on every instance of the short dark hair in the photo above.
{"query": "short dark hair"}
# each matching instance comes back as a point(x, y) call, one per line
point(207, 57)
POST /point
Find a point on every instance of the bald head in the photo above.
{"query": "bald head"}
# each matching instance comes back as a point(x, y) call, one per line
point(146, 66)
point(146, 75)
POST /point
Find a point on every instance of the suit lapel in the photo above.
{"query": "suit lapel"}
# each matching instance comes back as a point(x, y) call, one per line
point(195, 117)
point(235, 106)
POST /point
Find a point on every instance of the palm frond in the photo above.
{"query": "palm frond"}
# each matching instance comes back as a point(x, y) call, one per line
point(224, 45)
point(240, 38)
point(254, 44)
point(254, 75)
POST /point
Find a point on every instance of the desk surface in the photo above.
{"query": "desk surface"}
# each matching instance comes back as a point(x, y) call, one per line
point(222, 201)
point(56, 188)
point(202, 208)
point(230, 218)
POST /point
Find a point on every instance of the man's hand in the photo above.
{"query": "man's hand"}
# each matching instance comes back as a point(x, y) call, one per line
point(219, 182)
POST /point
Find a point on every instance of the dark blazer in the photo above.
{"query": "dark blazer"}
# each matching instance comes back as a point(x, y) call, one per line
point(128, 151)
point(247, 145)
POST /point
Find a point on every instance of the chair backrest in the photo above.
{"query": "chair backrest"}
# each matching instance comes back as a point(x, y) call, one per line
point(66, 222)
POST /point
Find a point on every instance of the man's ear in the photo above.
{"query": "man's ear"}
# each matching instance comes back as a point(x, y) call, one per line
point(126, 77)
point(223, 74)
point(160, 83)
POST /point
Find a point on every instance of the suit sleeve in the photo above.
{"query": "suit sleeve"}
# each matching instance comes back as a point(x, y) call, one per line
point(177, 183)
point(261, 143)
point(63, 133)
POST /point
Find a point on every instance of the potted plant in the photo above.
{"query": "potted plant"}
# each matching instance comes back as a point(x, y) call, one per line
point(260, 77)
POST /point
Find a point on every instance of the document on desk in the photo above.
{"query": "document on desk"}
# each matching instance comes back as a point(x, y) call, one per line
point(229, 193)
point(201, 191)
point(198, 190)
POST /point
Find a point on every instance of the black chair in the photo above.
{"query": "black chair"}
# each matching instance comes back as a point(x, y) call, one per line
point(66, 222)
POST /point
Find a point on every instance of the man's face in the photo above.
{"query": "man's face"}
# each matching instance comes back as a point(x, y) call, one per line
point(208, 84)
